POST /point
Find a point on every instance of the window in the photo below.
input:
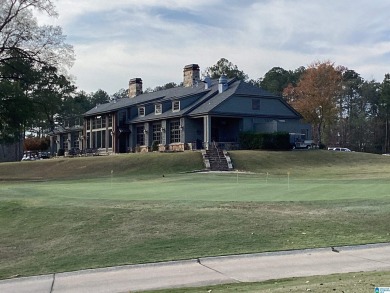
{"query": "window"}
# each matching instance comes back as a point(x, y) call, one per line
point(65, 143)
point(141, 111)
point(255, 104)
point(158, 109)
point(98, 139)
point(76, 139)
point(140, 135)
point(175, 106)
point(122, 118)
point(110, 120)
point(98, 122)
point(110, 138)
point(175, 131)
point(157, 132)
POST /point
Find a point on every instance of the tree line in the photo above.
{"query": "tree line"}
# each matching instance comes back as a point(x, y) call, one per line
point(343, 108)
point(36, 92)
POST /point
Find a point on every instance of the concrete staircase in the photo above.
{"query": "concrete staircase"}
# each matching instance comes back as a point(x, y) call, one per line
point(217, 160)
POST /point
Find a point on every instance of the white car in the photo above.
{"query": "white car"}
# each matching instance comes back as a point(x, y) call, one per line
point(339, 149)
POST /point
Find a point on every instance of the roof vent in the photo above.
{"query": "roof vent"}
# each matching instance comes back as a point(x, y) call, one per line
point(222, 84)
point(207, 82)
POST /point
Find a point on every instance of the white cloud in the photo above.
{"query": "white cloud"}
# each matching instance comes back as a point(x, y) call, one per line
point(153, 39)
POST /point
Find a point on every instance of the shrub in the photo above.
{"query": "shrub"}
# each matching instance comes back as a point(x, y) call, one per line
point(36, 143)
point(60, 152)
point(155, 146)
point(265, 141)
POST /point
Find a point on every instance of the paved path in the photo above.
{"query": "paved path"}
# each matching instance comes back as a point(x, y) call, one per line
point(209, 271)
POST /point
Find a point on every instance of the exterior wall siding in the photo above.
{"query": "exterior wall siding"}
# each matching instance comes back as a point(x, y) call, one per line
point(243, 105)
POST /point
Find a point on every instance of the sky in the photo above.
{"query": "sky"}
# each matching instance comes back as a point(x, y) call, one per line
point(117, 40)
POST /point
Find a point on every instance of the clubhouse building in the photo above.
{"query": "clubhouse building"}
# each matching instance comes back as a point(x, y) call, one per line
point(196, 115)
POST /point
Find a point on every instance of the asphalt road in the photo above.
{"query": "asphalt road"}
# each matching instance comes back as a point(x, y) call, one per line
point(209, 271)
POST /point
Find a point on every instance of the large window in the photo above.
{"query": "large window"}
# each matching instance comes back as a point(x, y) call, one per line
point(96, 137)
point(99, 139)
point(157, 132)
point(140, 135)
point(175, 131)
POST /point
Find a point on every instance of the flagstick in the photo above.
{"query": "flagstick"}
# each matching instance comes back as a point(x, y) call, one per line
point(288, 180)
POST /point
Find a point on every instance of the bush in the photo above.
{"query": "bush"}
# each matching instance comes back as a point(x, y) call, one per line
point(265, 141)
point(155, 146)
point(36, 143)
point(60, 152)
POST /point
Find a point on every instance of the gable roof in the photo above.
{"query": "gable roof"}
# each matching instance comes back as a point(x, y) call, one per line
point(207, 100)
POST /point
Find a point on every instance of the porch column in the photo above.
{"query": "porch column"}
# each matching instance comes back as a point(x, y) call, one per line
point(164, 132)
point(132, 138)
point(147, 134)
point(207, 131)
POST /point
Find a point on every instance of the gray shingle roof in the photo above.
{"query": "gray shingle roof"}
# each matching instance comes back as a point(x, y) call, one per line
point(206, 99)
point(173, 93)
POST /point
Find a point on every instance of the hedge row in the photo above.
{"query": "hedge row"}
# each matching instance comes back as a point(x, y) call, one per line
point(265, 141)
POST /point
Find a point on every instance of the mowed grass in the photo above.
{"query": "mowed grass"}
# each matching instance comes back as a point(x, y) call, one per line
point(361, 282)
point(69, 214)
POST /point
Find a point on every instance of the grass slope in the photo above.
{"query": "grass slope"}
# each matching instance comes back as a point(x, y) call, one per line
point(150, 164)
point(134, 214)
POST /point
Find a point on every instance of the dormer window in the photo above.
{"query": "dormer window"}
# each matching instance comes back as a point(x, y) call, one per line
point(157, 109)
point(141, 111)
point(175, 106)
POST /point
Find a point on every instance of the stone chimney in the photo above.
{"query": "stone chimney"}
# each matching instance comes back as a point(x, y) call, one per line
point(191, 75)
point(135, 87)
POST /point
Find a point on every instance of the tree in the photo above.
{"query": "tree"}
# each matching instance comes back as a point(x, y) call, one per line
point(47, 91)
point(75, 105)
point(166, 86)
point(277, 79)
point(121, 94)
point(225, 67)
point(15, 106)
point(316, 95)
point(20, 32)
point(31, 57)
point(99, 97)
point(385, 109)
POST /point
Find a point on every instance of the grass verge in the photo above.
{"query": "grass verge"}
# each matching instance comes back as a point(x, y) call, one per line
point(352, 282)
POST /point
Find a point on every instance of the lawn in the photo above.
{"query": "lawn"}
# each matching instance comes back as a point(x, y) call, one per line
point(361, 282)
point(145, 208)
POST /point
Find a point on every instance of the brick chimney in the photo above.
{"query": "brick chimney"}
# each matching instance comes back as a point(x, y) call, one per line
point(191, 75)
point(135, 87)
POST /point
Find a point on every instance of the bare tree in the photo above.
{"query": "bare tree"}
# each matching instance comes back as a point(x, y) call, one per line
point(21, 36)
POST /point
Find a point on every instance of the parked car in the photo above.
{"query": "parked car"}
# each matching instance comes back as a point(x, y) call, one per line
point(34, 155)
point(339, 149)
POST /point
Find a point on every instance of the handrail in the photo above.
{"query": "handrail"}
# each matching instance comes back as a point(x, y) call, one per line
point(216, 148)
